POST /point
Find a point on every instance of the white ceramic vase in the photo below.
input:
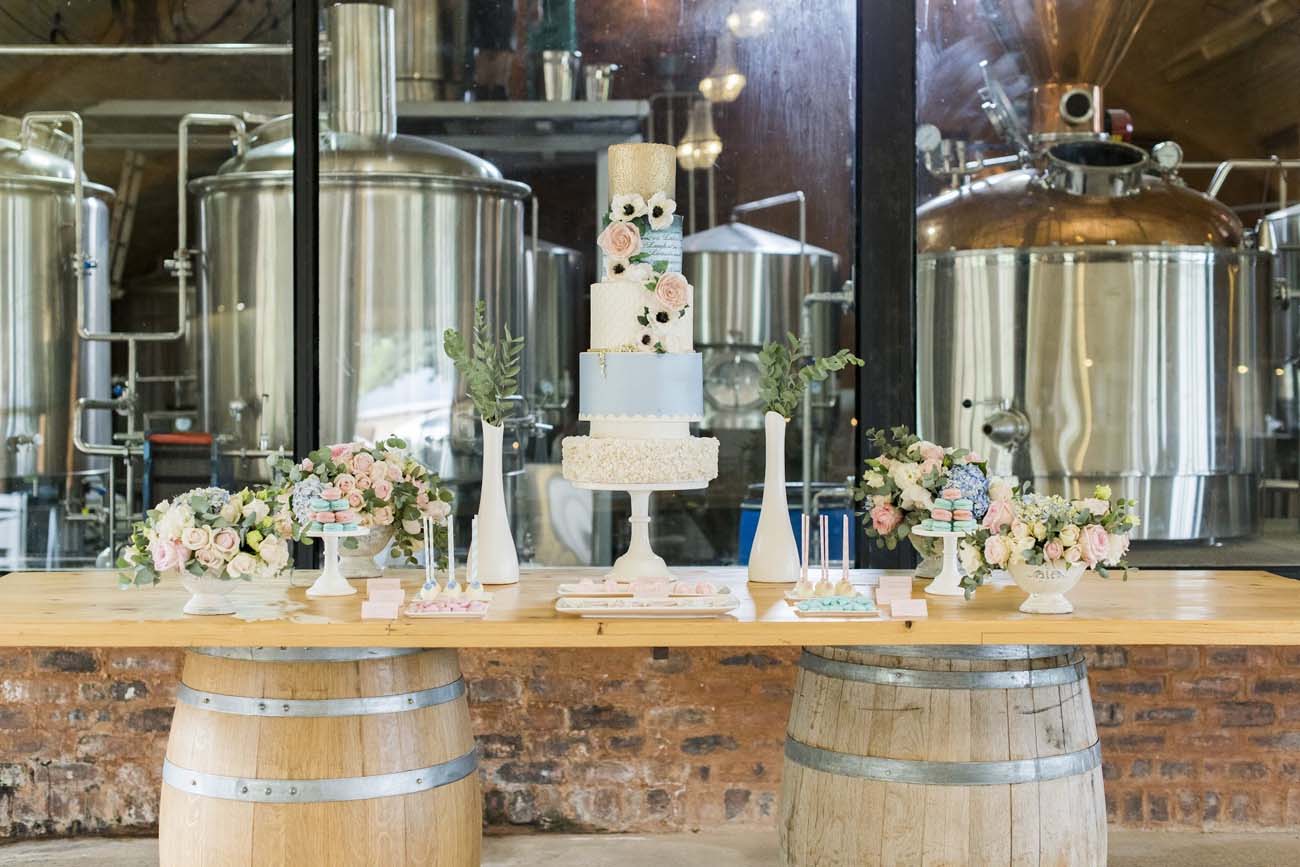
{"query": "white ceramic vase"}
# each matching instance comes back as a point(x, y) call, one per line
point(359, 562)
point(1046, 586)
point(498, 563)
point(774, 557)
point(208, 593)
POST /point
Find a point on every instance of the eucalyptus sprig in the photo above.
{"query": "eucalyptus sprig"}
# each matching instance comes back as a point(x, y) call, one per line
point(788, 369)
point(492, 372)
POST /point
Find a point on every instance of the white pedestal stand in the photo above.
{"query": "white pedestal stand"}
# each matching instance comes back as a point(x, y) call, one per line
point(331, 581)
point(948, 581)
point(640, 560)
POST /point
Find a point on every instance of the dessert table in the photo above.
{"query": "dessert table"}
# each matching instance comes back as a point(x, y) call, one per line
point(304, 734)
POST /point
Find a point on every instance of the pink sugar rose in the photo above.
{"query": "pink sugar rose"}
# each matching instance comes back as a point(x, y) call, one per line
point(673, 292)
point(364, 483)
point(362, 462)
point(168, 555)
point(1094, 542)
point(1000, 515)
point(620, 240)
point(996, 551)
point(226, 541)
point(355, 500)
point(383, 489)
point(885, 518)
point(345, 482)
point(1054, 550)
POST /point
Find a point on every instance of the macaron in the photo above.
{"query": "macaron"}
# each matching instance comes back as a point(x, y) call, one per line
point(324, 517)
point(318, 504)
point(944, 503)
point(964, 526)
point(962, 503)
point(963, 515)
point(339, 504)
point(950, 493)
point(940, 514)
point(345, 516)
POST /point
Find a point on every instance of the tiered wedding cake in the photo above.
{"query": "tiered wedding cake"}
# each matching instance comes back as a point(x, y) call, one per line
point(641, 384)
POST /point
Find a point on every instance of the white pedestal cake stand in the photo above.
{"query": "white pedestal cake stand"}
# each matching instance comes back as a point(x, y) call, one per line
point(640, 560)
point(331, 581)
point(948, 581)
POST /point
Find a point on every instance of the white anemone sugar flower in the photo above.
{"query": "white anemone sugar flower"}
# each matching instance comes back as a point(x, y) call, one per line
point(627, 207)
point(639, 272)
point(660, 208)
point(616, 269)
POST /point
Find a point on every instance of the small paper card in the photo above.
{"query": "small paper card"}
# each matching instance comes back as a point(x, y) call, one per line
point(896, 584)
point(909, 608)
point(371, 610)
point(374, 584)
point(396, 597)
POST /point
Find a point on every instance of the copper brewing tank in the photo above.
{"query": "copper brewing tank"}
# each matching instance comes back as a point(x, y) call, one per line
point(1088, 319)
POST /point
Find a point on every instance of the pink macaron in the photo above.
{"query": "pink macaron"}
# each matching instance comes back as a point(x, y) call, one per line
point(941, 514)
point(324, 517)
point(951, 493)
point(963, 515)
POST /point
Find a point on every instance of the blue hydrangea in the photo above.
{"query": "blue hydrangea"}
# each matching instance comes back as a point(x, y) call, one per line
point(974, 486)
point(303, 493)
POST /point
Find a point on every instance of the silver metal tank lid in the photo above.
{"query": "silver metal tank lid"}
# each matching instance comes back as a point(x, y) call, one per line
point(271, 151)
point(744, 238)
point(46, 161)
point(1280, 229)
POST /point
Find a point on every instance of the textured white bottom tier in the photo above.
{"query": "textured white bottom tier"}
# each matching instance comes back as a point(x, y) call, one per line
point(614, 461)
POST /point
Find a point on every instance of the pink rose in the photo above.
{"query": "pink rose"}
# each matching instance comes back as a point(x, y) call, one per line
point(673, 292)
point(996, 551)
point(345, 482)
point(307, 465)
point(378, 470)
point(972, 458)
point(932, 452)
point(438, 510)
point(1000, 515)
point(394, 472)
point(383, 489)
point(362, 462)
point(383, 516)
point(422, 499)
point(1054, 550)
point(211, 559)
point(226, 541)
point(929, 465)
point(885, 518)
point(1093, 544)
point(364, 483)
point(355, 500)
point(168, 555)
point(620, 240)
point(340, 450)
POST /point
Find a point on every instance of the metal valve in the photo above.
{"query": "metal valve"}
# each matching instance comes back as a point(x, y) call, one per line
point(1007, 428)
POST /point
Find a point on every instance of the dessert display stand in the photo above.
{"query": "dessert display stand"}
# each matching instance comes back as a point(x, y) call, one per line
point(331, 581)
point(948, 581)
point(640, 560)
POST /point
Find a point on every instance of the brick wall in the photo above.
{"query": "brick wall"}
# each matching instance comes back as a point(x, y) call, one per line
point(621, 740)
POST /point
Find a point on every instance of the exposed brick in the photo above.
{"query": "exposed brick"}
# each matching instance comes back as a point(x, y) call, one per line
point(1132, 743)
point(1108, 713)
point(14, 718)
point(1209, 687)
point(1166, 715)
point(1131, 687)
point(1176, 770)
point(1277, 686)
point(1278, 741)
point(702, 746)
point(153, 719)
point(495, 689)
point(600, 716)
point(1101, 658)
point(735, 801)
point(545, 773)
point(1139, 769)
point(128, 690)
point(751, 660)
point(499, 746)
point(1245, 713)
point(658, 801)
point(1227, 656)
point(630, 744)
point(1158, 808)
point(74, 661)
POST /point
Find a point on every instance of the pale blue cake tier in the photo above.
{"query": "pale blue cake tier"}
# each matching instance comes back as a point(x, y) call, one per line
point(641, 385)
point(659, 245)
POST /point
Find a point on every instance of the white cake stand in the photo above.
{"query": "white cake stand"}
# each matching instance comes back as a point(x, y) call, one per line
point(948, 581)
point(640, 560)
point(331, 581)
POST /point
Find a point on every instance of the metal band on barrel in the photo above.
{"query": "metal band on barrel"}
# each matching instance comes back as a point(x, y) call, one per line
point(944, 773)
point(970, 651)
point(862, 673)
point(306, 654)
point(313, 791)
point(295, 707)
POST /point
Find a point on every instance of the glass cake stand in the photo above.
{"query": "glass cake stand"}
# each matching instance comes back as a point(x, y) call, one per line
point(640, 560)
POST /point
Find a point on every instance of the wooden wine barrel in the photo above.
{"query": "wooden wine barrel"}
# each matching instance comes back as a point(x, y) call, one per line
point(942, 755)
point(320, 756)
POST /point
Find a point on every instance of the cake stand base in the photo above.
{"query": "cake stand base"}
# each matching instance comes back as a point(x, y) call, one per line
point(331, 581)
point(640, 560)
point(948, 581)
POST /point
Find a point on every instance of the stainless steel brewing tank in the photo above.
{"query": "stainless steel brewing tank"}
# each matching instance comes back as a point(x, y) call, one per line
point(1098, 339)
point(46, 366)
point(749, 291)
point(412, 234)
point(1279, 236)
point(554, 289)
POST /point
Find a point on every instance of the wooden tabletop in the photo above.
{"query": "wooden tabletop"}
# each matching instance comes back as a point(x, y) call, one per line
point(85, 609)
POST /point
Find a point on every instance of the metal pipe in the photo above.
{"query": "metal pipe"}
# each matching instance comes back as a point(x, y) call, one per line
point(1225, 168)
point(362, 70)
point(103, 449)
point(205, 49)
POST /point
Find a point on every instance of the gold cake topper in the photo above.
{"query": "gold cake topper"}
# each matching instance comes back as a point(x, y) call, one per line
point(643, 168)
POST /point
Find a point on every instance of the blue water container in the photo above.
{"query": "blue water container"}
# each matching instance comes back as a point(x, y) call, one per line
point(835, 508)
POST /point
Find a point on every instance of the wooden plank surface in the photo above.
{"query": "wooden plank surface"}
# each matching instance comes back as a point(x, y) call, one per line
point(86, 609)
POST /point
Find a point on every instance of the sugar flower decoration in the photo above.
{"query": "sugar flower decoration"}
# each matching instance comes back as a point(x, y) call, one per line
point(660, 209)
point(627, 207)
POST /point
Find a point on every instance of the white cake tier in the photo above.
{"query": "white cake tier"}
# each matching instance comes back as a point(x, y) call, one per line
point(638, 427)
point(639, 461)
point(615, 307)
point(640, 387)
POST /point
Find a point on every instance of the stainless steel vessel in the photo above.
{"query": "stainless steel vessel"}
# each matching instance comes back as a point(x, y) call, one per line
point(1279, 236)
point(554, 296)
point(47, 367)
point(749, 291)
point(432, 49)
point(412, 233)
point(1088, 319)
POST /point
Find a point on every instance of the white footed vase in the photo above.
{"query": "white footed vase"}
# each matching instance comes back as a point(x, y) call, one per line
point(498, 563)
point(774, 557)
point(1046, 585)
point(208, 593)
point(359, 562)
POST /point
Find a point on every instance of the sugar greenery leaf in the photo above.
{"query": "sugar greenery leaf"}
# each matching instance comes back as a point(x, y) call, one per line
point(788, 369)
point(491, 370)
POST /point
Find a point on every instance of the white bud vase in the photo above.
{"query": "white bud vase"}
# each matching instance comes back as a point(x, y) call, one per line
point(774, 558)
point(497, 561)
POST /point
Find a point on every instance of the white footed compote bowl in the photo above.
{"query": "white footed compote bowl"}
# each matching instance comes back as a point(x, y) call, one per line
point(208, 593)
point(1046, 585)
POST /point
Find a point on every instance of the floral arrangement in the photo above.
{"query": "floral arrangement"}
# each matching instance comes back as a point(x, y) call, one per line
point(1039, 529)
point(788, 368)
point(491, 371)
point(209, 531)
point(899, 484)
point(629, 220)
point(382, 484)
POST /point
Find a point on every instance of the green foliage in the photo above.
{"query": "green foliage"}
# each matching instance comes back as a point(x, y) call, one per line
point(788, 369)
point(491, 372)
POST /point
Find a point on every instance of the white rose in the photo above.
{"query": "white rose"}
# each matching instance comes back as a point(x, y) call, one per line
point(242, 564)
point(1116, 548)
point(915, 498)
point(1069, 535)
point(999, 489)
point(874, 480)
point(1040, 530)
point(231, 511)
point(275, 551)
point(174, 522)
point(905, 474)
point(257, 510)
